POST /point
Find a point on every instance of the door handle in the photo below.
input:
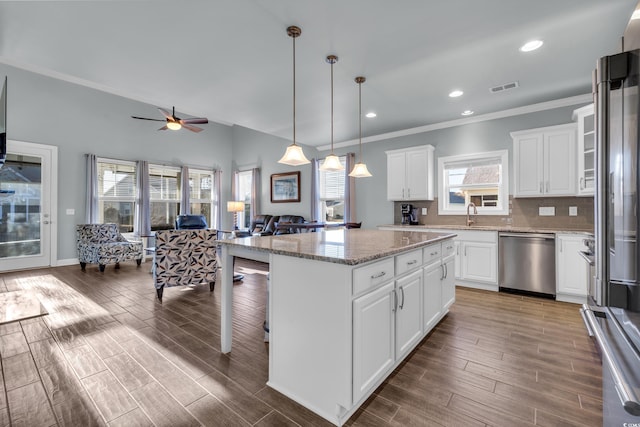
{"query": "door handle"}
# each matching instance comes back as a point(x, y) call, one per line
point(395, 301)
point(402, 303)
point(446, 271)
point(541, 189)
point(45, 222)
point(442, 268)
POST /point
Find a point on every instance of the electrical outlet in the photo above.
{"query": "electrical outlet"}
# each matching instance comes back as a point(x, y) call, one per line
point(547, 211)
point(424, 211)
point(573, 211)
point(71, 211)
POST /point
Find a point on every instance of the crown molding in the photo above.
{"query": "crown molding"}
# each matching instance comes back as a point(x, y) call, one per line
point(549, 105)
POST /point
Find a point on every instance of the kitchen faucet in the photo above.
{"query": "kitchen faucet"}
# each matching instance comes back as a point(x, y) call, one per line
point(475, 212)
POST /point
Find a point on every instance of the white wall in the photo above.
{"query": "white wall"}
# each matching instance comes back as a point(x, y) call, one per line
point(79, 120)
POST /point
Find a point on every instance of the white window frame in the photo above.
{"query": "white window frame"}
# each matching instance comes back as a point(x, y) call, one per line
point(163, 199)
point(323, 199)
point(211, 201)
point(503, 188)
point(132, 199)
point(243, 218)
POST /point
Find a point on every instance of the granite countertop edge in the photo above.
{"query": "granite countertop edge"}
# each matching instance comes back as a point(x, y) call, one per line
point(243, 243)
point(428, 227)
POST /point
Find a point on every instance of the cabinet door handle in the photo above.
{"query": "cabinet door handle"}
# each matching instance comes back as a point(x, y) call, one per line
point(394, 306)
point(379, 275)
point(458, 251)
point(541, 190)
point(402, 303)
point(547, 186)
point(449, 247)
point(446, 271)
point(582, 183)
point(412, 262)
point(403, 193)
point(442, 268)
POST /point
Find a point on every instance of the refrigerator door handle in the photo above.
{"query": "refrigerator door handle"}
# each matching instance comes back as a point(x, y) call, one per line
point(626, 393)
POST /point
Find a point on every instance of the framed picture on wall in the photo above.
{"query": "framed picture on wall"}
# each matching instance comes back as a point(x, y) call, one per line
point(285, 187)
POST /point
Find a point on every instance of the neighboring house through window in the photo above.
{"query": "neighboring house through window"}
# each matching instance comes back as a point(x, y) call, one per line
point(117, 193)
point(164, 196)
point(244, 182)
point(201, 194)
point(481, 179)
point(332, 194)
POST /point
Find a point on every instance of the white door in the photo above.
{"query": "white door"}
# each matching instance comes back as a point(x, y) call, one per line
point(373, 338)
point(448, 284)
point(570, 267)
point(528, 165)
point(28, 182)
point(396, 174)
point(480, 262)
point(560, 160)
point(432, 296)
point(408, 313)
point(417, 175)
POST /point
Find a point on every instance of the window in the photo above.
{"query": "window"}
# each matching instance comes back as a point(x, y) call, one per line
point(201, 194)
point(117, 193)
point(332, 194)
point(481, 179)
point(164, 196)
point(243, 194)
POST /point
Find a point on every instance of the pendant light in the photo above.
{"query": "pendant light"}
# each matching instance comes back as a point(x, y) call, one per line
point(331, 162)
point(360, 169)
point(294, 155)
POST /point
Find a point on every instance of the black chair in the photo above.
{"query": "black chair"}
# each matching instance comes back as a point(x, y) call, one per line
point(259, 226)
point(191, 222)
point(349, 225)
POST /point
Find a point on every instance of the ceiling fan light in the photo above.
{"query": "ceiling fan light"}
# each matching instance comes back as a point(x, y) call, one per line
point(294, 156)
point(360, 171)
point(174, 125)
point(331, 163)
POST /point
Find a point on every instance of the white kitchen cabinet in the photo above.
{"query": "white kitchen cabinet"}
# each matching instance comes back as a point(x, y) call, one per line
point(432, 301)
point(544, 161)
point(448, 283)
point(479, 261)
point(586, 150)
point(408, 312)
point(373, 338)
point(571, 270)
point(410, 173)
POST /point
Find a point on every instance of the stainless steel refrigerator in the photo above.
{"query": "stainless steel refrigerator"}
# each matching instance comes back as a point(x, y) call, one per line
point(613, 314)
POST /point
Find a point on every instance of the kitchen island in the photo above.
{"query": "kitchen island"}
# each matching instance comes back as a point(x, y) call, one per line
point(345, 308)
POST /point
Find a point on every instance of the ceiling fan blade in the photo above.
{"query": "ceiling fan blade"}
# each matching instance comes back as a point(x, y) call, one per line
point(191, 128)
point(194, 121)
point(165, 113)
point(163, 127)
point(145, 118)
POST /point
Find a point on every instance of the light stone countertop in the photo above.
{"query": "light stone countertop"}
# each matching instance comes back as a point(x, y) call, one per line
point(486, 228)
point(351, 247)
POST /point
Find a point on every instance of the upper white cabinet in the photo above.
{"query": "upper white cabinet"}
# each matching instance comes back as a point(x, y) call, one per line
point(586, 149)
point(410, 173)
point(545, 160)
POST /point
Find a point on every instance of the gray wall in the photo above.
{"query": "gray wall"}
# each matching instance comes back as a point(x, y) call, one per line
point(79, 120)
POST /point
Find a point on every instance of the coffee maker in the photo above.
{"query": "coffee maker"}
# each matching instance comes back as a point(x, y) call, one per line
point(409, 214)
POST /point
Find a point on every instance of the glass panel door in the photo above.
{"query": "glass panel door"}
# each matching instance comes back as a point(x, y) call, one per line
point(25, 220)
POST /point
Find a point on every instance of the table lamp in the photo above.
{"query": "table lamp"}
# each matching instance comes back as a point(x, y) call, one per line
point(235, 206)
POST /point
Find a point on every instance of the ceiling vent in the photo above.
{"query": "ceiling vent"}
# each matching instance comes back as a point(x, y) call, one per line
point(502, 88)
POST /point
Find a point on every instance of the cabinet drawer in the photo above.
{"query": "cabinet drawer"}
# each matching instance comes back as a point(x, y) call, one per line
point(409, 261)
point(448, 248)
point(369, 276)
point(432, 253)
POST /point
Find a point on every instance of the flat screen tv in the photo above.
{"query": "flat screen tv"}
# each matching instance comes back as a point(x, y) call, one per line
point(3, 122)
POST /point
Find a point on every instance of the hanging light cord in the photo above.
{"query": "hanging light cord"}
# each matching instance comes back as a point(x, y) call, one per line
point(294, 90)
point(332, 62)
point(360, 116)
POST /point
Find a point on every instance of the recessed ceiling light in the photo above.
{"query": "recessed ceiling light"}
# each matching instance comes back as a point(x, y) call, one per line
point(467, 112)
point(532, 45)
point(371, 115)
point(636, 14)
point(456, 93)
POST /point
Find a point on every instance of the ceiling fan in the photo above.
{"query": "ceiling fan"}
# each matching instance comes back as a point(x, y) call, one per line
point(175, 123)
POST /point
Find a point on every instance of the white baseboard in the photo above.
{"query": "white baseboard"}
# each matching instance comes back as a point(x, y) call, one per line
point(65, 262)
point(476, 285)
point(576, 299)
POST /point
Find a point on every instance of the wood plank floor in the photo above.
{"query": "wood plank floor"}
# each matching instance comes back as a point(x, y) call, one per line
point(110, 354)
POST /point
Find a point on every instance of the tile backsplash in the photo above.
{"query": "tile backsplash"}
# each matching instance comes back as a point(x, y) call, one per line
point(524, 213)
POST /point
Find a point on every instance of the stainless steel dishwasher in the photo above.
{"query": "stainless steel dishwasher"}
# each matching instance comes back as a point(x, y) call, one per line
point(527, 262)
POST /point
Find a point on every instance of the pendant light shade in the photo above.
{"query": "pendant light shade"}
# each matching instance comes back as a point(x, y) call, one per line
point(294, 155)
point(331, 162)
point(360, 169)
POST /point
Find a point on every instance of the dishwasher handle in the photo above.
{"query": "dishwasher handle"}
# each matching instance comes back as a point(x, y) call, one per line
point(529, 236)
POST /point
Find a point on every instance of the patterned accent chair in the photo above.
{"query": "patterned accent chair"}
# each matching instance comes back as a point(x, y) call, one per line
point(185, 257)
point(103, 244)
